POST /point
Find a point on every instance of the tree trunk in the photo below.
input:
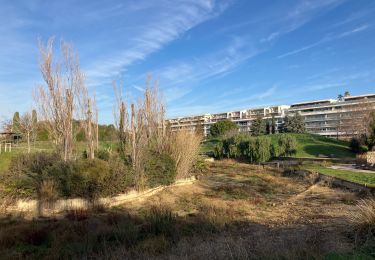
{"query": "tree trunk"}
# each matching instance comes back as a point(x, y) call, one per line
point(133, 134)
point(28, 142)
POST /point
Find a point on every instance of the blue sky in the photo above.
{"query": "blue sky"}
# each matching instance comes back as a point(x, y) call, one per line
point(208, 55)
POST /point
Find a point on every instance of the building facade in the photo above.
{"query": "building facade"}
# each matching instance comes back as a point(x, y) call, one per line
point(343, 117)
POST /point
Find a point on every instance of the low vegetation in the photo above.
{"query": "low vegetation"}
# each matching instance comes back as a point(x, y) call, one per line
point(235, 210)
point(255, 149)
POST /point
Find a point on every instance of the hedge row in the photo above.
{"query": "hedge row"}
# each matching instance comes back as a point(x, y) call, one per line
point(255, 149)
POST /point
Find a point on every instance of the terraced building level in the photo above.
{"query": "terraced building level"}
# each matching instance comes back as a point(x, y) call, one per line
point(343, 117)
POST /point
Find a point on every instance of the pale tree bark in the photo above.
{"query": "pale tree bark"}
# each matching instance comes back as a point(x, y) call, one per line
point(27, 127)
point(87, 107)
point(57, 99)
point(146, 130)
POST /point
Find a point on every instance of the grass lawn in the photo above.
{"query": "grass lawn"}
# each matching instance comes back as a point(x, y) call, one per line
point(364, 178)
point(5, 160)
point(208, 145)
point(309, 145)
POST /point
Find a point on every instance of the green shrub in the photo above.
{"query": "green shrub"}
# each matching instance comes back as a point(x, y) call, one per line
point(218, 150)
point(160, 169)
point(66, 177)
point(94, 174)
point(103, 154)
point(275, 150)
point(200, 166)
point(287, 145)
point(121, 177)
point(263, 147)
point(29, 174)
point(359, 144)
point(28, 171)
point(244, 146)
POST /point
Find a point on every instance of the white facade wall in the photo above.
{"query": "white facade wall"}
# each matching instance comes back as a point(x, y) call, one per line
point(323, 117)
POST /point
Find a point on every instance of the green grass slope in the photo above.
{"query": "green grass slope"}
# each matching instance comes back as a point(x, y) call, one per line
point(309, 145)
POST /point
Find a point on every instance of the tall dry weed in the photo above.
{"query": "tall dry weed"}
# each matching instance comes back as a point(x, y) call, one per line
point(184, 149)
point(364, 216)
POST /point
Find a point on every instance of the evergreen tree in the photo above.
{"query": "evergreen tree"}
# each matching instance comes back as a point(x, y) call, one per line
point(222, 127)
point(16, 127)
point(294, 124)
point(258, 126)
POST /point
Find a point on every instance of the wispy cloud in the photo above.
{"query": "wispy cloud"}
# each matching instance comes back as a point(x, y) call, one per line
point(298, 16)
point(326, 39)
point(182, 76)
point(355, 30)
point(161, 29)
point(139, 88)
point(305, 48)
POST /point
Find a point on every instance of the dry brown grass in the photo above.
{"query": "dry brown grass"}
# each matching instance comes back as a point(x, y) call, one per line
point(184, 149)
point(364, 215)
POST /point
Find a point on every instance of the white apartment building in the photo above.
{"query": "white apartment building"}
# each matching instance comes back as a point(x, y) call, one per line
point(243, 118)
point(330, 117)
point(335, 117)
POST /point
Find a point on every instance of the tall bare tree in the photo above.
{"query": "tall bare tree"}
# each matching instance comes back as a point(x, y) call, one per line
point(353, 119)
point(57, 97)
point(146, 129)
point(87, 115)
point(27, 127)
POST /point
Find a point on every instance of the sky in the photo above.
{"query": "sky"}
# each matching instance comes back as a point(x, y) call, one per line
point(207, 55)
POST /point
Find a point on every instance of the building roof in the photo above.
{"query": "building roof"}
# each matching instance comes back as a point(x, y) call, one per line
point(359, 97)
point(315, 102)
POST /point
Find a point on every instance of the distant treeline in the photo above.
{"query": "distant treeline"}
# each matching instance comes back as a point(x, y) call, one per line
point(106, 133)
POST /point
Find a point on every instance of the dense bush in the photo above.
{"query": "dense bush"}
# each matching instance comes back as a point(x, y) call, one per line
point(160, 169)
point(31, 174)
point(359, 144)
point(244, 146)
point(102, 154)
point(28, 171)
point(255, 149)
point(94, 174)
point(287, 145)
